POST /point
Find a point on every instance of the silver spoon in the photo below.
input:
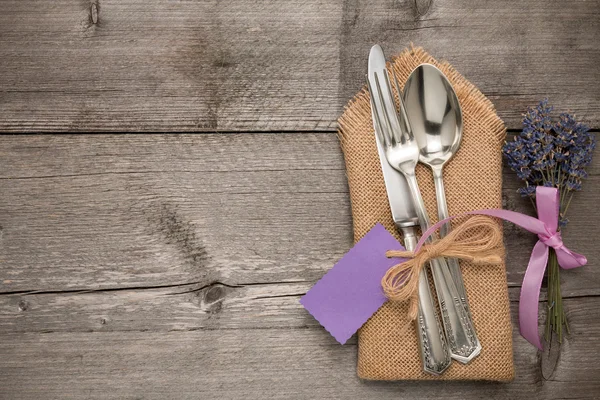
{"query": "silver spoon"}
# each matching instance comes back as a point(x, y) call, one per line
point(435, 116)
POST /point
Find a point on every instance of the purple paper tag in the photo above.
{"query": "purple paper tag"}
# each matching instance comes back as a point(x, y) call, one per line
point(350, 293)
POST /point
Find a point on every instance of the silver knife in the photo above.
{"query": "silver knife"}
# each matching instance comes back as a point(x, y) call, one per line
point(434, 350)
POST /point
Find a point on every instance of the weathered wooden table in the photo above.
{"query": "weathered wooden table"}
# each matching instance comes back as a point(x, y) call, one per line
point(169, 266)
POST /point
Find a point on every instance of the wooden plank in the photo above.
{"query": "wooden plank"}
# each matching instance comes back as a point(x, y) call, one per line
point(267, 65)
point(126, 211)
point(279, 362)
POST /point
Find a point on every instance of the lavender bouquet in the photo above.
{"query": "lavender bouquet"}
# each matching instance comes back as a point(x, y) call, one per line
point(555, 154)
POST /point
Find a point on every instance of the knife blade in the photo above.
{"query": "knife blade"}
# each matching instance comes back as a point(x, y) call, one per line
point(435, 353)
point(401, 205)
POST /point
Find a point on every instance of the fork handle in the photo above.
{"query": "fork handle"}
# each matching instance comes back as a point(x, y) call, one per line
point(442, 205)
point(458, 325)
point(420, 209)
point(435, 353)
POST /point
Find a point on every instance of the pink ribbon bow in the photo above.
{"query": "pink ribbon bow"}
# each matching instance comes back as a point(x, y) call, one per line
point(546, 227)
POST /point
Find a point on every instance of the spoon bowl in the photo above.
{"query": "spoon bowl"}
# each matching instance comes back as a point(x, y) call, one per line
point(434, 113)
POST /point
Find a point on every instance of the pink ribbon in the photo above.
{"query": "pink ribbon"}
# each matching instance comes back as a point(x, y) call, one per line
point(546, 227)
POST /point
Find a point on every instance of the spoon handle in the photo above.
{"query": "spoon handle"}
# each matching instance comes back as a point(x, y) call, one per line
point(458, 324)
point(442, 205)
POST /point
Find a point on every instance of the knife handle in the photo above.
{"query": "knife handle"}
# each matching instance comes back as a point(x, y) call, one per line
point(434, 350)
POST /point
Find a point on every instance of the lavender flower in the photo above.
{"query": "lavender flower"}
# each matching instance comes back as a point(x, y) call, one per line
point(548, 153)
point(554, 154)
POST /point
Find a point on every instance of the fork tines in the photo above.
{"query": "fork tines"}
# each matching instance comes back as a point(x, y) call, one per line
point(393, 128)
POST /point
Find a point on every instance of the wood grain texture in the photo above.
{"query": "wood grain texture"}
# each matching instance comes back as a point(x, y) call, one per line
point(170, 267)
point(269, 65)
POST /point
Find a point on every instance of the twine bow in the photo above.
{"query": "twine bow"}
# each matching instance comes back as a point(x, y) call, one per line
point(478, 240)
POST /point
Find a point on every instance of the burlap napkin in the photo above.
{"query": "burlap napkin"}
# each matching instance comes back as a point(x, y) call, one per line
point(387, 346)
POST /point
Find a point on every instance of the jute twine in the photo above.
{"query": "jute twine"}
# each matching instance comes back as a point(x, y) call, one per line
point(473, 181)
point(478, 240)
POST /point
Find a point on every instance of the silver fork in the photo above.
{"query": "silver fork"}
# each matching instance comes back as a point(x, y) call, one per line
point(402, 153)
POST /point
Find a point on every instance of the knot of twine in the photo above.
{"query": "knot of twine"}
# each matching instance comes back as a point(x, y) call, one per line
point(478, 240)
